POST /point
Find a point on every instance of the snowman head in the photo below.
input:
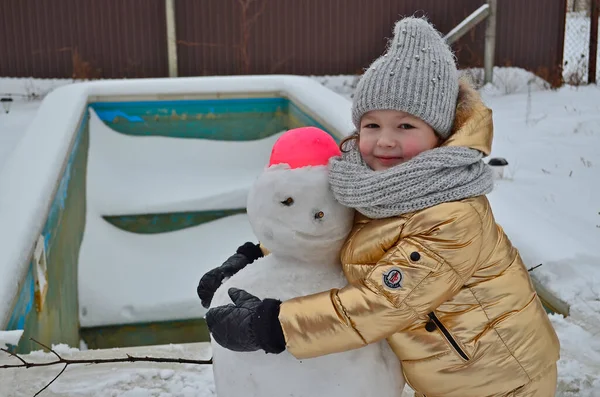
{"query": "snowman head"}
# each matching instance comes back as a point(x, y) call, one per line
point(291, 206)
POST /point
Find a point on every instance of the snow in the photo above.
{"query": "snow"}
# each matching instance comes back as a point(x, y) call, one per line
point(167, 175)
point(143, 184)
point(10, 338)
point(114, 379)
point(121, 273)
point(50, 134)
point(547, 203)
point(27, 186)
point(111, 380)
point(125, 184)
point(578, 370)
point(579, 364)
point(24, 93)
point(60, 348)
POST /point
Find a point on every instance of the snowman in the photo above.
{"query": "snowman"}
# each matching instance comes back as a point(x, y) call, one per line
point(293, 213)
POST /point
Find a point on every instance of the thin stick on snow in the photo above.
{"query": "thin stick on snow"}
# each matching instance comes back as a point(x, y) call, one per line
point(27, 365)
point(50, 349)
point(68, 361)
point(533, 268)
point(52, 381)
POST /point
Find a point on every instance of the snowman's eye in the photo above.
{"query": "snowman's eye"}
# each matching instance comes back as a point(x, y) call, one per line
point(288, 201)
point(319, 215)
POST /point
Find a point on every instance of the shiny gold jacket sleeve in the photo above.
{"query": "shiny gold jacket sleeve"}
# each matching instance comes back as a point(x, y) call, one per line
point(437, 252)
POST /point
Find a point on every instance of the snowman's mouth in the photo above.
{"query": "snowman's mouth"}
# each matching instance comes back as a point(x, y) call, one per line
point(322, 238)
point(327, 235)
point(302, 235)
point(307, 236)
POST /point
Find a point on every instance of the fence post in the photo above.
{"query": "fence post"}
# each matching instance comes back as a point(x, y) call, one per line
point(490, 43)
point(593, 53)
point(171, 37)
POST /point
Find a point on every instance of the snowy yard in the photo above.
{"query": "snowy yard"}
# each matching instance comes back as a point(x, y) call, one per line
point(548, 203)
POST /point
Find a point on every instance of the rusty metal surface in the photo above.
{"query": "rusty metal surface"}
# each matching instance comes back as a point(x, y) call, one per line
point(127, 38)
point(85, 39)
point(146, 334)
point(531, 35)
point(344, 36)
point(168, 222)
point(593, 51)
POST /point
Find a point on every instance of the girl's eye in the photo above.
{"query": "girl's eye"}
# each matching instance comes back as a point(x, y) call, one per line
point(371, 125)
point(406, 126)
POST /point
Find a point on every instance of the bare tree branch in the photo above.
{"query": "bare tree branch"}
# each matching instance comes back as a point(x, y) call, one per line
point(246, 26)
point(257, 14)
point(50, 349)
point(27, 365)
point(52, 381)
point(68, 361)
point(250, 12)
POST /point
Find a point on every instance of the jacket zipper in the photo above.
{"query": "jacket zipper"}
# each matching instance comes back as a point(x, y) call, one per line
point(442, 328)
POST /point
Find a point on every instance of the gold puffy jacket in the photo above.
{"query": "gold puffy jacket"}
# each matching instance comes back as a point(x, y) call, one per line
point(465, 320)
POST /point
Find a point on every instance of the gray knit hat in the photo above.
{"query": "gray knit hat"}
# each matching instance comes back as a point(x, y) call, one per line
point(417, 75)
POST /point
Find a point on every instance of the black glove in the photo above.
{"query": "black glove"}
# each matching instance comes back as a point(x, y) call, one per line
point(248, 324)
point(251, 251)
point(212, 280)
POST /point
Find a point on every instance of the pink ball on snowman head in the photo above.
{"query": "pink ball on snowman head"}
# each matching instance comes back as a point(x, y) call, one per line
point(303, 147)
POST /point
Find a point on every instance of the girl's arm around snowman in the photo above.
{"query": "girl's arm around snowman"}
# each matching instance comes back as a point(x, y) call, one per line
point(438, 250)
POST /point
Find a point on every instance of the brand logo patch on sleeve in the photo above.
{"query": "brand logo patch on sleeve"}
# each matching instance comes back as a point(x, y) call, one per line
point(393, 278)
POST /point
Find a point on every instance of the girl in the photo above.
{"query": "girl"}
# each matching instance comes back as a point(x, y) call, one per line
point(428, 267)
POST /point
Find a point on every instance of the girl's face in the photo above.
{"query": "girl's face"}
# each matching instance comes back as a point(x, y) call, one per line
point(391, 137)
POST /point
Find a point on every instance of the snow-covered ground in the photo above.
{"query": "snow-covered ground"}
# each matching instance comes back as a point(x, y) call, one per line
point(578, 371)
point(548, 205)
point(26, 94)
point(155, 182)
point(142, 379)
point(548, 201)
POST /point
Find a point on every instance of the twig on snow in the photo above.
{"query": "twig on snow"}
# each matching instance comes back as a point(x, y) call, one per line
point(68, 361)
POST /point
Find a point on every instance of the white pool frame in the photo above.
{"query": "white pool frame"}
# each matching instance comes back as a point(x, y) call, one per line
point(31, 175)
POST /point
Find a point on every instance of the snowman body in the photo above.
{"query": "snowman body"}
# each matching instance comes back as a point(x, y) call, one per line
point(294, 214)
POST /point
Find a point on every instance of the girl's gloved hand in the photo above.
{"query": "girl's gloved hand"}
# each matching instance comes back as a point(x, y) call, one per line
point(249, 324)
point(212, 280)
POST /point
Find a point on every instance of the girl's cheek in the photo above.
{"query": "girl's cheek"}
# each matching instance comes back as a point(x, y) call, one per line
point(410, 149)
point(364, 147)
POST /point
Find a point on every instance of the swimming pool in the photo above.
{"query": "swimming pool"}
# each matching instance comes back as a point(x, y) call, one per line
point(47, 216)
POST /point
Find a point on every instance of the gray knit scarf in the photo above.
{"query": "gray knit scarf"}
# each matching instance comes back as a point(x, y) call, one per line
point(435, 176)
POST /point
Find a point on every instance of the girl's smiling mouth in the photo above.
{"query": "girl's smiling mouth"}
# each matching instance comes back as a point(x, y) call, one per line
point(386, 160)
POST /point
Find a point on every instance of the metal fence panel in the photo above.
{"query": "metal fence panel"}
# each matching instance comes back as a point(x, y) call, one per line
point(127, 38)
point(83, 39)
